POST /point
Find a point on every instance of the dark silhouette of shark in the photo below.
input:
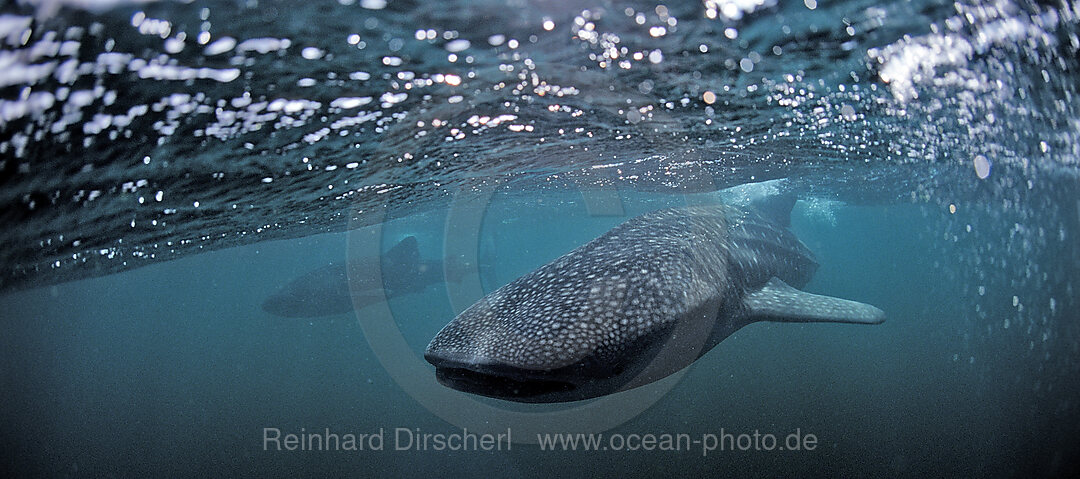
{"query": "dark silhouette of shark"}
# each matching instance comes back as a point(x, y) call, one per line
point(337, 287)
point(637, 304)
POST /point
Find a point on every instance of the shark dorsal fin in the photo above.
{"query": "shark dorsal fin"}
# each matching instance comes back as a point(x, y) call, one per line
point(405, 254)
point(777, 301)
point(776, 207)
point(772, 199)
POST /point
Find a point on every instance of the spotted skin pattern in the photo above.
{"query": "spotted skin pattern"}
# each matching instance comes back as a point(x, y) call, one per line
point(606, 316)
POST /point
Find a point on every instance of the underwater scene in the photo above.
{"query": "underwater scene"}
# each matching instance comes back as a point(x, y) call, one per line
point(535, 238)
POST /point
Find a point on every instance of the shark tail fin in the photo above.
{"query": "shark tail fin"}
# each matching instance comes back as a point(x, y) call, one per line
point(777, 301)
point(487, 265)
point(484, 266)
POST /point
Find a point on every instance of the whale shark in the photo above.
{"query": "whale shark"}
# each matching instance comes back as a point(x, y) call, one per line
point(340, 286)
point(637, 304)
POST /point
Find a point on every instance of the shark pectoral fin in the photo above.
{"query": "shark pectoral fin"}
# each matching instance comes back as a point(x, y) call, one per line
point(777, 301)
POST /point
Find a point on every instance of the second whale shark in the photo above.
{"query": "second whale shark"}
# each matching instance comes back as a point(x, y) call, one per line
point(339, 287)
point(639, 303)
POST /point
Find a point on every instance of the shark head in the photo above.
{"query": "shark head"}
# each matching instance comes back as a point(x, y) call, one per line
point(588, 323)
point(525, 344)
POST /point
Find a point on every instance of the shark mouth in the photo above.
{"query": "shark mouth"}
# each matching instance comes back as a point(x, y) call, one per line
point(501, 386)
point(484, 377)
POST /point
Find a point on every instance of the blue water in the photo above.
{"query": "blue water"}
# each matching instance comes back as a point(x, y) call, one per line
point(148, 209)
